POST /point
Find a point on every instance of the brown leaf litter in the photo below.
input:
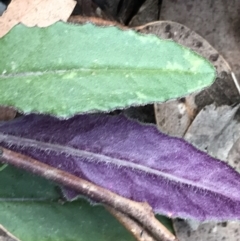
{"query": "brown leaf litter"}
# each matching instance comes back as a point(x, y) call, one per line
point(41, 13)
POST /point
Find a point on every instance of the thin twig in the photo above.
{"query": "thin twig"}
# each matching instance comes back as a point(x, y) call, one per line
point(235, 81)
point(6, 235)
point(141, 212)
point(139, 233)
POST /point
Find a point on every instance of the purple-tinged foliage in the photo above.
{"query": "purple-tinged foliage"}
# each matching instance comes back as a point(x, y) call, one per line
point(133, 160)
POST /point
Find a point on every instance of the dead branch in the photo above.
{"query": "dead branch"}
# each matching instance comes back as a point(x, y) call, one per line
point(139, 233)
point(141, 212)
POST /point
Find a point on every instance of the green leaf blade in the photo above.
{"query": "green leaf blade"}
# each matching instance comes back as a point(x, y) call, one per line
point(31, 209)
point(66, 69)
point(52, 221)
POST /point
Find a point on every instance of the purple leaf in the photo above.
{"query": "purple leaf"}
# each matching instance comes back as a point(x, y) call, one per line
point(133, 160)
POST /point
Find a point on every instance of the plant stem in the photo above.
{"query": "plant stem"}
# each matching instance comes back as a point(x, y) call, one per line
point(141, 212)
point(139, 233)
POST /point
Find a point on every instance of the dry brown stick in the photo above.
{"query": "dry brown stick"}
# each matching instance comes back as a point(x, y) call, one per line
point(139, 233)
point(141, 212)
point(77, 19)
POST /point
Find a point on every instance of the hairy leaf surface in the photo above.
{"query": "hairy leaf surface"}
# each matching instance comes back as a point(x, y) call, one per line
point(66, 69)
point(133, 160)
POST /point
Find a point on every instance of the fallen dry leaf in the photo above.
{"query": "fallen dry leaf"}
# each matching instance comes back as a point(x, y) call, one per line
point(215, 130)
point(41, 13)
point(234, 154)
point(212, 20)
point(212, 231)
point(175, 116)
point(7, 113)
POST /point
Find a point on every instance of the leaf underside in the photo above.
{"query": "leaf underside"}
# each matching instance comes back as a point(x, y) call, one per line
point(133, 160)
point(66, 69)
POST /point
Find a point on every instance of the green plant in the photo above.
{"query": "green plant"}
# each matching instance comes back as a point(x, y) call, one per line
point(63, 71)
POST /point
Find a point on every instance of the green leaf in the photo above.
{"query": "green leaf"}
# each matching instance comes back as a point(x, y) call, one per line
point(31, 209)
point(66, 69)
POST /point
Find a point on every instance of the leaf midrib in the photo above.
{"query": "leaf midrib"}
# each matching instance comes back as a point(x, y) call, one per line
point(130, 70)
point(30, 200)
point(20, 141)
